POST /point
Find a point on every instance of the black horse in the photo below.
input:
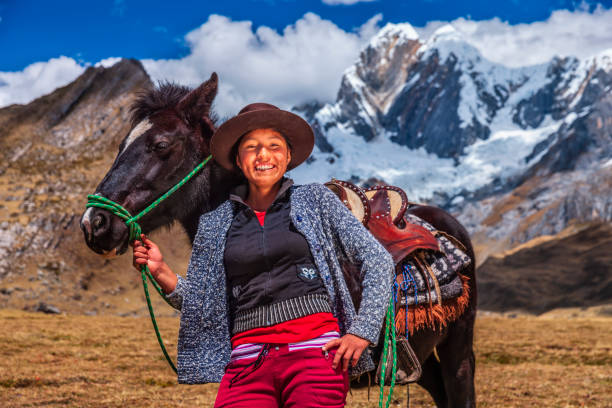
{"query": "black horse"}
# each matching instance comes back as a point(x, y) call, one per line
point(171, 130)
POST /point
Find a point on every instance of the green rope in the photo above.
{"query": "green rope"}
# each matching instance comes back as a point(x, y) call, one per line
point(389, 329)
point(150, 307)
point(135, 231)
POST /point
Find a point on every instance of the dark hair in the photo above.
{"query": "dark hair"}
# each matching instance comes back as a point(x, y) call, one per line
point(234, 149)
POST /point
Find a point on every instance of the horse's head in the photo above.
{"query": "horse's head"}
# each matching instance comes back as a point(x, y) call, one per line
point(170, 135)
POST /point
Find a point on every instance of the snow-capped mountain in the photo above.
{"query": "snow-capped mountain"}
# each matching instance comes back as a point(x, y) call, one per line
point(449, 126)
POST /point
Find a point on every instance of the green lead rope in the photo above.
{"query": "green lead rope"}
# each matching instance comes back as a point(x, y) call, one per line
point(135, 231)
point(389, 330)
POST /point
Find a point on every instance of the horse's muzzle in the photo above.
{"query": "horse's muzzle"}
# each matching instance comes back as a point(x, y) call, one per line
point(105, 233)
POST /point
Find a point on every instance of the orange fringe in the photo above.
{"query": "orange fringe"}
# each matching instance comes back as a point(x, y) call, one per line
point(434, 316)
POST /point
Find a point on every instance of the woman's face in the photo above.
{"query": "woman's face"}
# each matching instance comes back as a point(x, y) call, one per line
point(263, 157)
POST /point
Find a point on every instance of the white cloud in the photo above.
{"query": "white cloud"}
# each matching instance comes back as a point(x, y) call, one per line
point(370, 28)
point(345, 2)
point(302, 63)
point(306, 60)
point(37, 79)
point(564, 33)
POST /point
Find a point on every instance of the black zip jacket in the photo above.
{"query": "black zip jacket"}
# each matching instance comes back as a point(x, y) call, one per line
point(268, 264)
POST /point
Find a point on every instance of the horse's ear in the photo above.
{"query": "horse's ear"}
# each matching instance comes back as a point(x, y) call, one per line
point(195, 106)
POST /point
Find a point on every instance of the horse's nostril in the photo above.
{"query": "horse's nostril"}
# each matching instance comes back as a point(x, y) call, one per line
point(98, 222)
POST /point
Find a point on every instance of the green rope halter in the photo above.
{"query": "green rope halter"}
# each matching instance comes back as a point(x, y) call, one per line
point(135, 231)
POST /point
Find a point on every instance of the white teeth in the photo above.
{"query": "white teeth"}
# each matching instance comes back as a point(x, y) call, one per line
point(265, 167)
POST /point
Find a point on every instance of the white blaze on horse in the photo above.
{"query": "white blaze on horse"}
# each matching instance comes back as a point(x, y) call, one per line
point(171, 130)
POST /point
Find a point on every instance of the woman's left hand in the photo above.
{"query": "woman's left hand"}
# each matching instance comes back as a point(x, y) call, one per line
point(350, 348)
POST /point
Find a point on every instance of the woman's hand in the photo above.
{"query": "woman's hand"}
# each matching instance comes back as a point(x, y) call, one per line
point(350, 348)
point(147, 253)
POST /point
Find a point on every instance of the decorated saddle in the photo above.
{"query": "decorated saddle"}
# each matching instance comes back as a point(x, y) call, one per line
point(429, 291)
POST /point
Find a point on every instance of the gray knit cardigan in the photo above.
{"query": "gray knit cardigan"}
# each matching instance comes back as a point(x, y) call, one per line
point(332, 233)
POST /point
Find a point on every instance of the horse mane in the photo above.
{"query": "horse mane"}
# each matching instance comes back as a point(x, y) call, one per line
point(166, 95)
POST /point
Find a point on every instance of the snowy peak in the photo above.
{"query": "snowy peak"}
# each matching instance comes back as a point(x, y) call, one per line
point(393, 33)
point(446, 40)
point(603, 60)
point(445, 33)
point(390, 49)
point(446, 124)
point(387, 91)
point(370, 86)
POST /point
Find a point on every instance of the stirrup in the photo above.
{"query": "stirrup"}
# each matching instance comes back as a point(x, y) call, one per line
point(409, 368)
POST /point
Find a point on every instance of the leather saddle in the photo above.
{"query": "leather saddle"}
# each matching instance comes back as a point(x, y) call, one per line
point(381, 209)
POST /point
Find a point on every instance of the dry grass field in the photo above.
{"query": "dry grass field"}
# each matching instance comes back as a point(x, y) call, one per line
point(104, 361)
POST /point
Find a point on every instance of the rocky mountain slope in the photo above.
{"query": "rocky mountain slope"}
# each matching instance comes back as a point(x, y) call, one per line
point(568, 270)
point(54, 152)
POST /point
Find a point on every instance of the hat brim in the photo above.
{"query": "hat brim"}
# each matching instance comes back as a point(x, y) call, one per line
point(295, 129)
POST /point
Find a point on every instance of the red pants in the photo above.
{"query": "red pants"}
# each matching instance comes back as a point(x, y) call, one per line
point(292, 379)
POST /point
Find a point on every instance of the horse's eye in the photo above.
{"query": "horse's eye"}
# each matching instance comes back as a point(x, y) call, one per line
point(161, 145)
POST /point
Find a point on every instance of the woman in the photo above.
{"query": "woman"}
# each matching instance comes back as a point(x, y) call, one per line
point(265, 308)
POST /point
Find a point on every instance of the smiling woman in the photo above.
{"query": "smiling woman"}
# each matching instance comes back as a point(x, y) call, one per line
point(263, 156)
point(265, 308)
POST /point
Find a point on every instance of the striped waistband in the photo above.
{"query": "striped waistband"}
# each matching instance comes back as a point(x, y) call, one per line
point(251, 350)
point(282, 311)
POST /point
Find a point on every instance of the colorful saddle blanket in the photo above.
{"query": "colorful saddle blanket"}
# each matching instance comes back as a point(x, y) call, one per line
point(427, 261)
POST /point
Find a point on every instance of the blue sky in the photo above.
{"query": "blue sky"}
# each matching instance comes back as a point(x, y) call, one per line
point(281, 51)
point(89, 31)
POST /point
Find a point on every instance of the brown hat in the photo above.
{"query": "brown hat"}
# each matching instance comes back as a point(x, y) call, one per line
point(296, 131)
